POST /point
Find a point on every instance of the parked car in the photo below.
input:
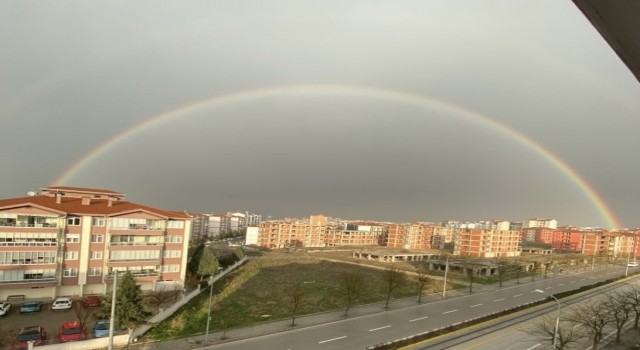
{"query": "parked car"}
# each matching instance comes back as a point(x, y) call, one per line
point(4, 308)
point(62, 304)
point(633, 264)
point(71, 331)
point(101, 329)
point(30, 306)
point(92, 301)
point(35, 333)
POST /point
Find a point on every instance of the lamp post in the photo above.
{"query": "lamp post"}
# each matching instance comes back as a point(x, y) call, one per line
point(555, 331)
point(444, 286)
point(206, 335)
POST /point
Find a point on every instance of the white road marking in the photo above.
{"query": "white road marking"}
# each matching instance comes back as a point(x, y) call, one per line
point(448, 312)
point(517, 295)
point(535, 346)
point(418, 319)
point(379, 328)
point(475, 305)
point(561, 284)
point(328, 340)
point(497, 300)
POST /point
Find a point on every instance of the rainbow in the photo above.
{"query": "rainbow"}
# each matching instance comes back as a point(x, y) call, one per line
point(356, 91)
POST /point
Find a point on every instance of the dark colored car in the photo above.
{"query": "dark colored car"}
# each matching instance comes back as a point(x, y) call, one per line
point(35, 333)
point(92, 301)
point(30, 306)
point(72, 331)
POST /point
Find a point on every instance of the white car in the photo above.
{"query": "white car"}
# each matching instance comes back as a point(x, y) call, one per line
point(4, 308)
point(62, 304)
point(633, 264)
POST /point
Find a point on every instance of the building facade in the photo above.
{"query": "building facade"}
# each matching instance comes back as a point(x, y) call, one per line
point(70, 241)
point(487, 243)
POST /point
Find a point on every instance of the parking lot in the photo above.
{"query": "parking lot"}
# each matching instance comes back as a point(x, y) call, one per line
point(47, 318)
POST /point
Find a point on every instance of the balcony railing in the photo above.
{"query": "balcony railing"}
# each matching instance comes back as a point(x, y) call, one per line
point(24, 224)
point(29, 244)
point(30, 281)
point(140, 273)
point(136, 243)
point(138, 227)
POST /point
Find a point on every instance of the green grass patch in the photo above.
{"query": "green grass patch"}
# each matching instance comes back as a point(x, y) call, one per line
point(260, 291)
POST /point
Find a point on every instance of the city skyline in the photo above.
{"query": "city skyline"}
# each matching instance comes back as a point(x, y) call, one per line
point(428, 111)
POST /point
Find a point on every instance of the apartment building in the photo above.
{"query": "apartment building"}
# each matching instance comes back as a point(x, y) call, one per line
point(293, 233)
point(487, 243)
point(611, 244)
point(421, 236)
point(71, 240)
point(539, 222)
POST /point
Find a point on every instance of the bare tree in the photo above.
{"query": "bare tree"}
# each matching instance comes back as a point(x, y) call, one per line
point(634, 302)
point(352, 287)
point(546, 328)
point(620, 307)
point(471, 272)
point(516, 268)
point(422, 279)
point(296, 293)
point(81, 311)
point(594, 317)
point(158, 298)
point(393, 278)
point(502, 268)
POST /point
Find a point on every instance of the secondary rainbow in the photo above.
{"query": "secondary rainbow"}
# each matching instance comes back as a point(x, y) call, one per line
point(356, 91)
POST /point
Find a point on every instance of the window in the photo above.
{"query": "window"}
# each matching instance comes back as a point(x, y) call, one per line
point(71, 238)
point(96, 254)
point(97, 221)
point(132, 255)
point(73, 221)
point(171, 268)
point(95, 271)
point(71, 255)
point(175, 224)
point(97, 238)
point(172, 253)
point(70, 272)
point(174, 239)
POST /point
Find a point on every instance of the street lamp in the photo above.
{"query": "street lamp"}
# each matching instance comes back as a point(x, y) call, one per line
point(555, 331)
point(206, 336)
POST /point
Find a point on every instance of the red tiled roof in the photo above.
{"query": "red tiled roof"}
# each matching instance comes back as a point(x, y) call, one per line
point(74, 206)
point(82, 189)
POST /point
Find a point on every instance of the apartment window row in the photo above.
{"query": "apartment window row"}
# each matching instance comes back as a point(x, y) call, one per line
point(70, 272)
point(136, 224)
point(13, 220)
point(136, 240)
point(26, 258)
point(172, 253)
point(129, 255)
point(28, 239)
point(171, 268)
point(26, 275)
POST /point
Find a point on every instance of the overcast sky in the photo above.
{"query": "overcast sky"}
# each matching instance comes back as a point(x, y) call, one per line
point(74, 74)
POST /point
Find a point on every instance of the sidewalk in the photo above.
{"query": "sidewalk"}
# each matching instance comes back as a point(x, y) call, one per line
point(198, 341)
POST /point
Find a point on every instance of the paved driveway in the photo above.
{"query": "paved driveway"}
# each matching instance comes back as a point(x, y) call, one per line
point(50, 320)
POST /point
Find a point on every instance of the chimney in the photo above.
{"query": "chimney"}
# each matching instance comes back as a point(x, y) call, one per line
point(86, 200)
point(58, 198)
point(110, 202)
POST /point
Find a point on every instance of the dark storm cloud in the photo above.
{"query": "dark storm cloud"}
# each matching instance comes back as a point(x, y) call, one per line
point(75, 74)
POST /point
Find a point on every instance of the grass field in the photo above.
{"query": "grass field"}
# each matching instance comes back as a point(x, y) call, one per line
point(260, 291)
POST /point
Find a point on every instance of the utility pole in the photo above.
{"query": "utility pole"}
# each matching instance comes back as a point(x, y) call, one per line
point(113, 309)
point(444, 285)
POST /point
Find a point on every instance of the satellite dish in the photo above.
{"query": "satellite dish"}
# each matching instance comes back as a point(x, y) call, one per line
point(31, 193)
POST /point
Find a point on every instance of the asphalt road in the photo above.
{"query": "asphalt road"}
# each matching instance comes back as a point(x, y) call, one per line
point(363, 331)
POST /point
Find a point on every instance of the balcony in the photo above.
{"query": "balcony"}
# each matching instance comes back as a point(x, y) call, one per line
point(30, 281)
point(136, 274)
point(136, 244)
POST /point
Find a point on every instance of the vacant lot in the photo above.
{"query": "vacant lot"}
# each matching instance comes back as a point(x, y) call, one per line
point(261, 290)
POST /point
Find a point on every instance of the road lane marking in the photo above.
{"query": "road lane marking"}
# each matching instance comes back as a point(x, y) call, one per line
point(561, 284)
point(517, 295)
point(497, 300)
point(418, 319)
point(448, 312)
point(475, 305)
point(328, 340)
point(379, 328)
point(535, 346)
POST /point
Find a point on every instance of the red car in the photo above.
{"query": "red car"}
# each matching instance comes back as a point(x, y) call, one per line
point(71, 331)
point(35, 333)
point(91, 301)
